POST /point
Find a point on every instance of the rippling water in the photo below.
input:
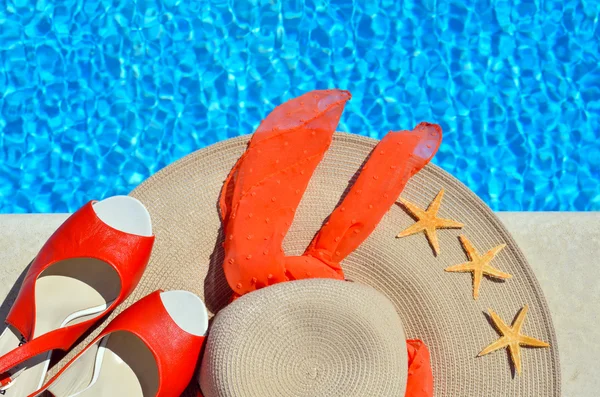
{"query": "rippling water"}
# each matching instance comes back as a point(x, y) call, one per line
point(95, 96)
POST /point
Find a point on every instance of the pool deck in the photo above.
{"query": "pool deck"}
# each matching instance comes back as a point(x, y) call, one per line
point(562, 248)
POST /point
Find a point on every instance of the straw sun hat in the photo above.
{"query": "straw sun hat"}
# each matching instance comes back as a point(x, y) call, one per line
point(328, 337)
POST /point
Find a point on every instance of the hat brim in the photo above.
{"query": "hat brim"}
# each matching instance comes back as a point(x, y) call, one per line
point(434, 305)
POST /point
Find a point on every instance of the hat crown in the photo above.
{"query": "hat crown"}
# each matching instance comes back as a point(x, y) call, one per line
point(315, 337)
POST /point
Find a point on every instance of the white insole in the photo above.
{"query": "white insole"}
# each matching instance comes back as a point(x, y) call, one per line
point(72, 291)
point(121, 364)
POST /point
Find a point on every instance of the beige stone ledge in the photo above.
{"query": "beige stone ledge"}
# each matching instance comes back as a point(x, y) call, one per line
point(562, 248)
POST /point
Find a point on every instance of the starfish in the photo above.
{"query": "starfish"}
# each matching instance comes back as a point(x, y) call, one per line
point(512, 338)
point(478, 264)
point(428, 221)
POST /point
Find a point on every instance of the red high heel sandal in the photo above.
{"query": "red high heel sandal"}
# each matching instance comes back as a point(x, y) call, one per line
point(151, 349)
point(86, 268)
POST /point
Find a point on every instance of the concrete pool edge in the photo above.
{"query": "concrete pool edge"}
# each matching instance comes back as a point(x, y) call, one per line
point(562, 248)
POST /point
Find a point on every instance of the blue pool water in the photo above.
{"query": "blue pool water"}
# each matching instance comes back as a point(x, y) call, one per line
point(95, 96)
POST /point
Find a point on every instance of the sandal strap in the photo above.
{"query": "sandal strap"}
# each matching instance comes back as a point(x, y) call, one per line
point(62, 338)
point(5, 380)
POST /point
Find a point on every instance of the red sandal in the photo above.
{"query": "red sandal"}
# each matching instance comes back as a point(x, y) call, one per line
point(151, 349)
point(86, 268)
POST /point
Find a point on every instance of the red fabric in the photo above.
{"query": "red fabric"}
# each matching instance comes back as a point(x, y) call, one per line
point(420, 377)
point(83, 234)
point(175, 351)
point(261, 194)
point(394, 160)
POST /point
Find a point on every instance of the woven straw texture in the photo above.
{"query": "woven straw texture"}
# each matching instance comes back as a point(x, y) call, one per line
point(434, 305)
point(307, 338)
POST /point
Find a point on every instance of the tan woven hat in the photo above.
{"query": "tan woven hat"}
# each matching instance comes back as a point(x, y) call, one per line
point(434, 306)
point(315, 337)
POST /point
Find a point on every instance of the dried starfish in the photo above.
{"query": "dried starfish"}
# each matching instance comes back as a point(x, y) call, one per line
point(428, 221)
point(479, 264)
point(512, 338)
